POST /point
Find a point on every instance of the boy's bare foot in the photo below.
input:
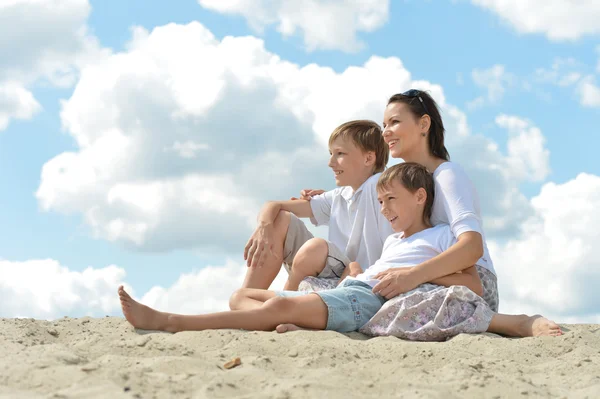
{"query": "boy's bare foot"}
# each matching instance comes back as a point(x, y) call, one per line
point(283, 328)
point(537, 326)
point(141, 316)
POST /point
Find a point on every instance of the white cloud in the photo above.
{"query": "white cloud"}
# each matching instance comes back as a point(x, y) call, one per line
point(188, 149)
point(51, 53)
point(204, 291)
point(564, 72)
point(557, 19)
point(57, 291)
point(258, 126)
point(553, 265)
point(528, 159)
point(16, 102)
point(323, 24)
point(495, 80)
point(589, 92)
point(45, 289)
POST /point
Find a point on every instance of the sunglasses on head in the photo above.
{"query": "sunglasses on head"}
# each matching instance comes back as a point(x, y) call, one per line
point(413, 93)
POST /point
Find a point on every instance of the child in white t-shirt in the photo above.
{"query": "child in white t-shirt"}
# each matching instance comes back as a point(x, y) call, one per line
point(357, 230)
point(405, 192)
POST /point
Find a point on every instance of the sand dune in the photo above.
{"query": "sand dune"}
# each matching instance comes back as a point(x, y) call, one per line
point(107, 358)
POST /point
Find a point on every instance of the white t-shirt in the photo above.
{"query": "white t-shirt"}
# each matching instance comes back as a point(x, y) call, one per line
point(356, 225)
point(411, 251)
point(456, 203)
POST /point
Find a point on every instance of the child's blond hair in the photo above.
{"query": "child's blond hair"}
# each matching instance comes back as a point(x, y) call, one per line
point(367, 136)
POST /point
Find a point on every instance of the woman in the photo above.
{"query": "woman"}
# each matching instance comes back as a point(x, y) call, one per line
point(414, 131)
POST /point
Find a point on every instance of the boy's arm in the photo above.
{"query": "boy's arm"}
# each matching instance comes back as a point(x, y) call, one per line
point(270, 210)
point(353, 270)
point(468, 278)
point(259, 245)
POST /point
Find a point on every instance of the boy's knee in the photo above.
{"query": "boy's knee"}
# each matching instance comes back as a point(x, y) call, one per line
point(235, 298)
point(314, 251)
point(282, 221)
point(279, 304)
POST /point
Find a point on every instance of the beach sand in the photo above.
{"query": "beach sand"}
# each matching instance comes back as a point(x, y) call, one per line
point(107, 358)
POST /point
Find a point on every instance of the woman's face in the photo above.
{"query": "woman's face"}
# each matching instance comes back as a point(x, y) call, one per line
point(401, 131)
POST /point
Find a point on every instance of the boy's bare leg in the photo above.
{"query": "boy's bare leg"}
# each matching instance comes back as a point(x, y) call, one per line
point(524, 326)
point(249, 298)
point(309, 261)
point(262, 277)
point(308, 311)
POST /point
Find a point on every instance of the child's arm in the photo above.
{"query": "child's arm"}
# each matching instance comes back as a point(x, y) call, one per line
point(467, 277)
point(396, 281)
point(353, 270)
point(260, 243)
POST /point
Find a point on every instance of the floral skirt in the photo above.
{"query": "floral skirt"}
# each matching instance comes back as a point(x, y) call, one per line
point(429, 312)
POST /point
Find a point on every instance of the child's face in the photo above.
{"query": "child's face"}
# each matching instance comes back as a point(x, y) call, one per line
point(349, 163)
point(401, 131)
point(401, 207)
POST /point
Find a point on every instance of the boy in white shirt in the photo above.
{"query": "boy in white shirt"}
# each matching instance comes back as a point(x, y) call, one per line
point(405, 192)
point(357, 230)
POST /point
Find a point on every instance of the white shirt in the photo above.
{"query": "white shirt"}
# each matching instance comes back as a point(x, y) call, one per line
point(411, 251)
point(456, 203)
point(356, 225)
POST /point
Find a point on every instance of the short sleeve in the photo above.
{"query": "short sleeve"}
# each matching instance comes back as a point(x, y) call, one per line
point(446, 238)
point(321, 207)
point(458, 197)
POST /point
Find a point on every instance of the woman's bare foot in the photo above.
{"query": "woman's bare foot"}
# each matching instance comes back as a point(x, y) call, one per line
point(283, 328)
point(537, 326)
point(141, 316)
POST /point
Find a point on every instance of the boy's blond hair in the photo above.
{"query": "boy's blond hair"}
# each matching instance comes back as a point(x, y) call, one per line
point(367, 136)
point(412, 176)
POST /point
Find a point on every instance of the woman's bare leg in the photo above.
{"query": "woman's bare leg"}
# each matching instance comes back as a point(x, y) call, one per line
point(523, 326)
point(307, 311)
point(309, 261)
point(249, 298)
point(262, 277)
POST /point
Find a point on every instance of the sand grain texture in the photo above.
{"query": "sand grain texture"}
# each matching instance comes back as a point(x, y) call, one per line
point(107, 358)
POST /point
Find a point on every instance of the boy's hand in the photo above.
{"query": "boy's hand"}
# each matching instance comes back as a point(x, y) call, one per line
point(259, 246)
point(395, 282)
point(307, 194)
point(355, 269)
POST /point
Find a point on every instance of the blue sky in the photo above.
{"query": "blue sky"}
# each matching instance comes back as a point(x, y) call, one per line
point(446, 44)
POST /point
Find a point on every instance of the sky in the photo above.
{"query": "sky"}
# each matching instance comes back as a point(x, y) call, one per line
point(139, 139)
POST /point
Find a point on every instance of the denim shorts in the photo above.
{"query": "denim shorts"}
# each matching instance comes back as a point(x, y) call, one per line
point(349, 306)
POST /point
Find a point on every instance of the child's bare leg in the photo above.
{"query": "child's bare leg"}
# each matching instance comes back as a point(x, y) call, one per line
point(523, 326)
point(263, 276)
point(309, 261)
point(308, 311)
point(249, 298)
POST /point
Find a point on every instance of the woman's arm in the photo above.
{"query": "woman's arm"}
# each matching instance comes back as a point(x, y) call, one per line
point(468, 278)
point(465, 253)
point(460, 256)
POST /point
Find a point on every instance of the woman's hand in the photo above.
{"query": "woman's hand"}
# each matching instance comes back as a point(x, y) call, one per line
point(307, 194)
point(259, 246)
point(394, 282)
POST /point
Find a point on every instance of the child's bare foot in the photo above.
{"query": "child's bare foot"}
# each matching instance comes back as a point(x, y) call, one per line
point(283, 328)
point(537, 326)
point(141, 316)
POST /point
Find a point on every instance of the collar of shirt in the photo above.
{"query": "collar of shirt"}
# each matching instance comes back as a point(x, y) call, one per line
point(350, 195)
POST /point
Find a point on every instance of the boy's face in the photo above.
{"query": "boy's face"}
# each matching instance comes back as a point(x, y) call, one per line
point(402, 208)
point(350, 165)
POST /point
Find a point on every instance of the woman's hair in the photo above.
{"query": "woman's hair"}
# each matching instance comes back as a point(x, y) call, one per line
point(412, 176)
point(420, 103)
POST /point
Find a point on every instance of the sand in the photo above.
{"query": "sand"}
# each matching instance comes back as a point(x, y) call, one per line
point(107, 358)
